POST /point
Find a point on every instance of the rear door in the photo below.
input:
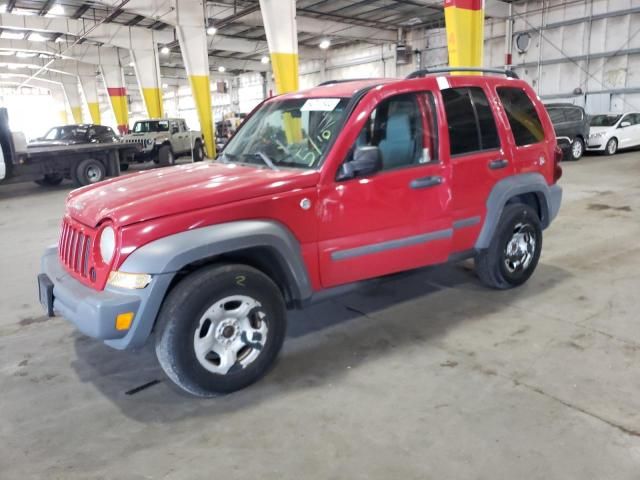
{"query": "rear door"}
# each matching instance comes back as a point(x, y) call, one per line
point(395, 219)
point(478, 154)
point(530, 149)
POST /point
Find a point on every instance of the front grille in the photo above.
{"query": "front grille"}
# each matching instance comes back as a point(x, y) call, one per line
point(74, 248)
point(141, 141)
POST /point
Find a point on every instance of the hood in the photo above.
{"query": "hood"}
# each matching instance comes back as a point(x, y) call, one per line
point(168, 191)
point(593, 130)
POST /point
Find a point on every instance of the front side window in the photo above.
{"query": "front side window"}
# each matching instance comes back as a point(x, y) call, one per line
point(521, 113)
point(397, 129)
point(604, 120)
point(289, 133)
point(472, 127)
point(151, 126)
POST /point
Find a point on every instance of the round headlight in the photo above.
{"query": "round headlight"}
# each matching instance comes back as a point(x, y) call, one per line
point(107, 244)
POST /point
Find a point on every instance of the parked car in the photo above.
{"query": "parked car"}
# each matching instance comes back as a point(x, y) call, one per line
point(75, 135)
point(571, 125)
point(613, 131)
point(163, 140)
point(318, 189)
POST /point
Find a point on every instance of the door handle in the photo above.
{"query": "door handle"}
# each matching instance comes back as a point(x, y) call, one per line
point(425, 182)
point(496, 164)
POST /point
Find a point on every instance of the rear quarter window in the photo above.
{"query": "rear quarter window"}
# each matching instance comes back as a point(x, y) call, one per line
point(522, 115)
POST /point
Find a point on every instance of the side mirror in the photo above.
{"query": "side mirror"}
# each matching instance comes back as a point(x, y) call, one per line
point(366, 160)
point(625, 124)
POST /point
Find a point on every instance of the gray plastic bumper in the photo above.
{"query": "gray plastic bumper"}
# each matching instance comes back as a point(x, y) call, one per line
point(94, 312)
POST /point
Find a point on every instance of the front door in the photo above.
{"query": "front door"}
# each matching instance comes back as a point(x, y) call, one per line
point(398, 218)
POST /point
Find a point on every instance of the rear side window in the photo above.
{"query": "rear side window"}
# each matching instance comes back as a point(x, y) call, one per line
point(523, 118)
point(556, 115)
point(574, 115)
point(471, 124)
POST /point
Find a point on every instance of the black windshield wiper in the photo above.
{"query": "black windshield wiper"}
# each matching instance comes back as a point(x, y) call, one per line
point(263, 156)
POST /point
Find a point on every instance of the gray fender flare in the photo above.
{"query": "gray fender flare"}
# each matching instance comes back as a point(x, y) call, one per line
point(549, 198)
point(172, 253)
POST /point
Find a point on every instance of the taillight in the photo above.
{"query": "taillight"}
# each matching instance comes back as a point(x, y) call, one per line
point(557, 169)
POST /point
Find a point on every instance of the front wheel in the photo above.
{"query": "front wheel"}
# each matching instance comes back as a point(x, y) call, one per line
point(577, 149)
point(166, 156)
point(612, 146)
point(220, 329)
point(514, 251)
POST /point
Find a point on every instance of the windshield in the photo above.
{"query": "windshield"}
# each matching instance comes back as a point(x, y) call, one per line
point(604, 120)
point(151, 126)
point(289, 133)
point(66, 133)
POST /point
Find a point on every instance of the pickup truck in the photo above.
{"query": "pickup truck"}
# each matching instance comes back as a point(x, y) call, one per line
point(163, 140)
point(48, 165)
point(317, 190)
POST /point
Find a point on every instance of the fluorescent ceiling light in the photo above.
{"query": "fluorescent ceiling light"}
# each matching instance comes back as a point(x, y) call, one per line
point(9, 35)
point(324, 44)
point(212, 30)
point(25, 54)
point(23, 11)
point(265, 59)
point(60, 39)
point(221, 69)
point(165, 50)
point(6, 53)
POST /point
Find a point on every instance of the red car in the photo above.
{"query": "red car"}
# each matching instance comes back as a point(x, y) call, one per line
point(317, 189)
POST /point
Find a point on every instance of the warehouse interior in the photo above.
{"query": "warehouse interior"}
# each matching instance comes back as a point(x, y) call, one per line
point(420, 373)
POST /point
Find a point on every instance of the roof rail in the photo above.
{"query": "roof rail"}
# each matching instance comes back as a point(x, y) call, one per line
point(345, 80)
point(430, 71)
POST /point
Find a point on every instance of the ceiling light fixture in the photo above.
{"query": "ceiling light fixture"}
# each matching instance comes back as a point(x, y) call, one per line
point(265, 59)
point(221, 69)
point(36, 37)
point(324, 44)
point(9, 35)
point(57, 9)
point(165, 50)
point(211, 30)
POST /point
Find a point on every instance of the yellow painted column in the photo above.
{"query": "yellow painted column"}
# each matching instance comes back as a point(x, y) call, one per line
point(76, 113)
point(153, 101)
point(279, 18)
point(118, 98)
point(70, 87)
point(64, 119)
point(94, 111)
point(192, 37)
point(464, 21)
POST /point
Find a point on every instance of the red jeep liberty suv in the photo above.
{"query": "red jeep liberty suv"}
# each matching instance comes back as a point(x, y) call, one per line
point(317, 189)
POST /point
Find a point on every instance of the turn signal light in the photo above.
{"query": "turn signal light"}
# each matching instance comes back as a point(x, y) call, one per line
point(123, 321)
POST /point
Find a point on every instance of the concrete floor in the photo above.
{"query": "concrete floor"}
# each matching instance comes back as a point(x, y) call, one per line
point(425, 375)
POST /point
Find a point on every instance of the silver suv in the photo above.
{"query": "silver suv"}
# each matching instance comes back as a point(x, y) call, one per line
point(163, 140)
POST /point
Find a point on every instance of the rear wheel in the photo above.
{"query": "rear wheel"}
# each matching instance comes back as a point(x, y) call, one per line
point(612, 146)
point(88, 172)
point(514, 251)
point(166, 156)
point(50, 180)
point(220, 329)
point(198, 151)
point(577, 149)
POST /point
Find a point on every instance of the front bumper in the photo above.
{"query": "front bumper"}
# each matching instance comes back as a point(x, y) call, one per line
point(94, 312)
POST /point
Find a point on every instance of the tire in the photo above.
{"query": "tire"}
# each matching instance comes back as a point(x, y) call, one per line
point(612, 146)
point(124, 167)
point(494, 266)
point(577, 149)
point(88, 172)
point(188, 319)
point(50, 180)
point(198, 151)
point(166, 156)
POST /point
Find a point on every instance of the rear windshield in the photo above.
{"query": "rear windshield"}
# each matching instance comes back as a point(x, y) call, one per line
point(604, 120)
point(151, 126)
point(66, 133)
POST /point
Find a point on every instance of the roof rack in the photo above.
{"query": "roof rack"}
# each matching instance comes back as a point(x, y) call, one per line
point(345, 80)
point(430, 71)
